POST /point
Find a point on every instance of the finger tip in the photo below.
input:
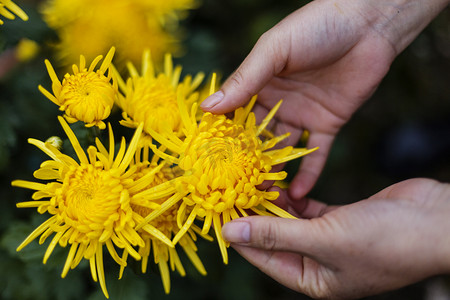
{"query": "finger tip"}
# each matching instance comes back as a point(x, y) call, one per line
point(213, 100)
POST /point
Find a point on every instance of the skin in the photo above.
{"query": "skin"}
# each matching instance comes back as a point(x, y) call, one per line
point(325, 60)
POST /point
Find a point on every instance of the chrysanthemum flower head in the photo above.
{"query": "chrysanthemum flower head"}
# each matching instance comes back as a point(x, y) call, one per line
point(151, 97)
point(91, 27)
point(150, 173)
point(89, 203)
point(87, 95)
point(10, 10)
point(224, 160)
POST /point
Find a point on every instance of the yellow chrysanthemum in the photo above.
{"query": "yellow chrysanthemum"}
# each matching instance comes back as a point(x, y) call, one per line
point(151, 98)
point(89, 203)
point(87, 95)
point(9, 8)
point(163, 255)
point(92, 27)
point(223, 161)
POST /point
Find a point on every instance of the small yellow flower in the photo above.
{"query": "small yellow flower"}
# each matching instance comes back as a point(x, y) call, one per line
point(89, 202)
point(86, 95)
point(9, 8)
point(224, 161)
point(163, 255)
point(151, 97)
point(26, 50)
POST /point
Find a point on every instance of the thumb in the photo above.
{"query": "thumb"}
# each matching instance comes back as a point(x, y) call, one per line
point(276, 234)
point(266, 59)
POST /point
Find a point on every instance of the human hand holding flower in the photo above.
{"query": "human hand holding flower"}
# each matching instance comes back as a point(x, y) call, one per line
point(324, 60)
point(392, 239)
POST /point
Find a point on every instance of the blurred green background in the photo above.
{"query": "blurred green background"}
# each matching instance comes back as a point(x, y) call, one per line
point(403, 131)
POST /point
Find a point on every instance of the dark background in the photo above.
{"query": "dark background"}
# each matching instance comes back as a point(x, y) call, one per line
point(403, 131)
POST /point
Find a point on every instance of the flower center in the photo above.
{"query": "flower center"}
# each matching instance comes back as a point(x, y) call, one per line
point(90, 199)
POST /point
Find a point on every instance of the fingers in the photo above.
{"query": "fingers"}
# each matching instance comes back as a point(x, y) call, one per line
point(275, 234)
point(284, 267)
point(311, 165)
point(265, 60)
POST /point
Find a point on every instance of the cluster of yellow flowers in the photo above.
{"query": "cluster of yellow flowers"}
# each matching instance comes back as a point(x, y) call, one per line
point(91, 27)
point(183, 172)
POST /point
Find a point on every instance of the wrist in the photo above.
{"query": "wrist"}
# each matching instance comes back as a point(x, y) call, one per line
point(399, 21)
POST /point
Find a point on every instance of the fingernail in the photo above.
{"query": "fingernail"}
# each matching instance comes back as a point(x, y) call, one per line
point(212, 100)
point(236, 232)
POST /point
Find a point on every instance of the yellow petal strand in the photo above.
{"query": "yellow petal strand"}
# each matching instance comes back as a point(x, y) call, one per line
point(243, 212)
point(197, 230)
point(43, 227)
point(261, 212)
point(168, 65)
point(51, 72)
point(74, 141)
point(16, 9)
point(212, 86)
point(46, 174)
point(274, 176)
point(165, 206)
point(164, 141)
point(159, 191)
point(94, 63)
point(276, 210)
point(242, 113)
point(29, 204)
point(51, 246)
point(131, 148)
point(100, 270)
point(107, 61)
point(147, 65)
point(78, 256)
point(186, 225)
point(272, 142)
point(144, 180)
point(220, 240)
point(175, 262)
point(269, 117)
point(165, 275)
point(49, 95)
point(93, 268)
point(43, 148)
point(296, 153)
point(167, 157)
point(120, 81)
point(176, 76)
point(112, 251)
point(158, 234)
point(183, 108)
point(181, 213)
point(207, 222)
point(124, 258)
point(111, 144)
point(69, 260)
point(193, 257)
point(234, 215)
point(29, 185)
point(120, 153)
point(197, 81)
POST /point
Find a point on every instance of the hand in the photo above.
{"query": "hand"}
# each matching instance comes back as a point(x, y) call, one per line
point(392, 239)
point(324, 60)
